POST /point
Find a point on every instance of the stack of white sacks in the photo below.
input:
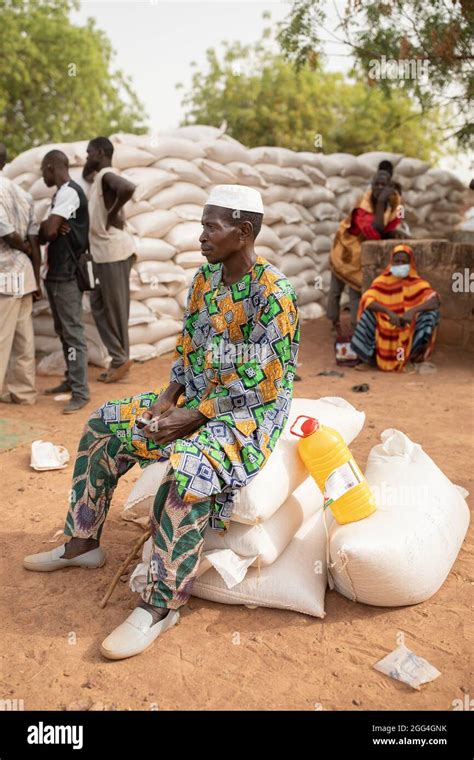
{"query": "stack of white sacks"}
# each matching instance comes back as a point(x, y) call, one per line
point(305, 196)
point(282, 549)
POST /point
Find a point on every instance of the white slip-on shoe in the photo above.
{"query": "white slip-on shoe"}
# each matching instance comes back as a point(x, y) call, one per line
point(136, 634)
point(44, 562)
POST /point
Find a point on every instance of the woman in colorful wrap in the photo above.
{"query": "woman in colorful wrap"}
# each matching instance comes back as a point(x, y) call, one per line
point(376, 216)
point(398, 316)
point(217, 421)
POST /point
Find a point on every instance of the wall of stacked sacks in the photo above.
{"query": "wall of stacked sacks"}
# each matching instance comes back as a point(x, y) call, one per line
point(305, 196)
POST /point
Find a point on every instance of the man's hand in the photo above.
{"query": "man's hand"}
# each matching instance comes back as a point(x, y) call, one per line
point(26, 248)
point(114, 219)
point(165, 401)
point(408, 316)
point(395, 319)
point(175, 423)
point(64, 228)
point(37, 295)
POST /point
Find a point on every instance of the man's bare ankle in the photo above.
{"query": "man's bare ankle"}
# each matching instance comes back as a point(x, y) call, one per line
point(77, 546)
point(158, 613)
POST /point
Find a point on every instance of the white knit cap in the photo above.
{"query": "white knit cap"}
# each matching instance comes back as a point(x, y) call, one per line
point(236, 197)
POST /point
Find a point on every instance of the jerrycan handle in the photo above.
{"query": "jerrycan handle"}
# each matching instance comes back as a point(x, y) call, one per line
point(306, 428)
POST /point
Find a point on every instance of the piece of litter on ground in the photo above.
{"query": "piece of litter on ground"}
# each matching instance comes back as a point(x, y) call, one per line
point(362, 388)
point(426, 368)
point(404, 665)
point(62, 397)
point(331, 373)
point(46, 456)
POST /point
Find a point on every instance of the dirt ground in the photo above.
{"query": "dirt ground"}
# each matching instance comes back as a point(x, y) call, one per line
point(51, 624)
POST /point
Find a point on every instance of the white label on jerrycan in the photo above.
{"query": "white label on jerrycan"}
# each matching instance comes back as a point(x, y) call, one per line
point(341, 480)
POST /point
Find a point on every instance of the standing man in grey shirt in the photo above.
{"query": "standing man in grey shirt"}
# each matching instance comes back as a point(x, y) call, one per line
point(112, 249)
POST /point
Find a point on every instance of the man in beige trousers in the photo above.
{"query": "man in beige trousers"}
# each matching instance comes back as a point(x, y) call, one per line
point(20, 260)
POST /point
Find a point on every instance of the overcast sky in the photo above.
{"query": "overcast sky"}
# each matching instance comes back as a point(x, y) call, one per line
point(156, 40)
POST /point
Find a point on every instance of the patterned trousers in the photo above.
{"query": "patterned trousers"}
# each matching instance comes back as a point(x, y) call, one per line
point(178, 527)
point(363, 341)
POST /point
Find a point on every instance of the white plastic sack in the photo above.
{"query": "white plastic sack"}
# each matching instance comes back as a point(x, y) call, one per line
point(142, 352)
point(149, 181)
point(165, 307)
point(179, 193)
point(189, 212)
point(153, 224)
point(323, 211)
point(224, 151)
point(185, 237)
point(295, 581)
point(312, 310)
point(266, 541)
point(310, 196)
point(174, 147)
point(187, 259)
point(154, 331)
point(217, 173)
point(275, 193)
point(139, 314)
point(274, 155)
point(246, 175)
point(165, 345)
point(185, 171)
point(128, 156)
point(153, 249)
point(259, 500)
point(282, 175)
point(403, 552)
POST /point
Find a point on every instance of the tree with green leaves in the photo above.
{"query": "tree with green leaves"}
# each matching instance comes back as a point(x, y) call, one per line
point(57, 83)
point(419, 47)
point(266, 100)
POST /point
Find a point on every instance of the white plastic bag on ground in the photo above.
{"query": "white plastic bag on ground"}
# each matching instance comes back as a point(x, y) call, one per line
point(404, 665)
point(47, 456)
point(403, 552)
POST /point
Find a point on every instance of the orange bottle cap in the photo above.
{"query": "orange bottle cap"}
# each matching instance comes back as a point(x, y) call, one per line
point(309, 426)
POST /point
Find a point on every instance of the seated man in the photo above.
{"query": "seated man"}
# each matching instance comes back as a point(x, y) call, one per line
point(234, 364)
point(376, 216)
point(398, 316)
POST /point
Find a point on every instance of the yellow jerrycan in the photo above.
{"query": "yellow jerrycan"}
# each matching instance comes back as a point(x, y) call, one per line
point(330, 462)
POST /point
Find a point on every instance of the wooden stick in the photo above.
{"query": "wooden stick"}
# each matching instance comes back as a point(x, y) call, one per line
point(138, 545)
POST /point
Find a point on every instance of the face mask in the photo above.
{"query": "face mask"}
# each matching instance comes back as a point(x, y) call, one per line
point(400, 270)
